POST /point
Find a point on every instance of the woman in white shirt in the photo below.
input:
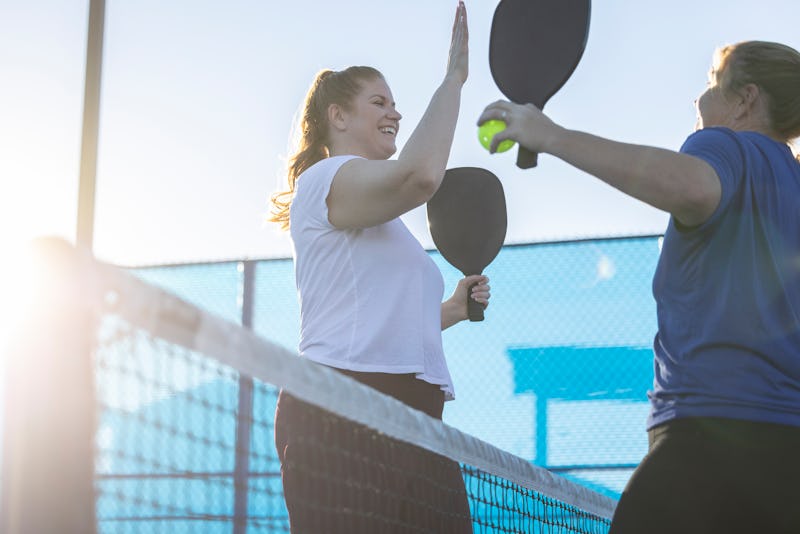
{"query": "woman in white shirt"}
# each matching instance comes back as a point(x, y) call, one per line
point(370, 296)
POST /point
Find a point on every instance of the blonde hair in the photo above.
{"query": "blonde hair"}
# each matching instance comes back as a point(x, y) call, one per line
point(329, 87)
point(775, 69)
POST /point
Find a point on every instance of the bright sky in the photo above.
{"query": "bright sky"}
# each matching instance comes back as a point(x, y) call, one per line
point(199, 95)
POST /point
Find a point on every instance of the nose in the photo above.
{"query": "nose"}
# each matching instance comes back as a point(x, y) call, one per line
point(394, 114)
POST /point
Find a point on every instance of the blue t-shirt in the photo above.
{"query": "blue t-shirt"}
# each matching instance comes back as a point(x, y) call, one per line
point(728, 291)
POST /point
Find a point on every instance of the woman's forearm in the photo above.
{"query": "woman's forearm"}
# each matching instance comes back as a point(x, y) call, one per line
point(685, 186)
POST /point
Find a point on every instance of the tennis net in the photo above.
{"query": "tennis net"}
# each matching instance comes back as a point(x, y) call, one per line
point(159, 417)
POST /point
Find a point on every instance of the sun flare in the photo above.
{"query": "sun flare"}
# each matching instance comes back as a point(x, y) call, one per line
point(24, 283)
point(16, 281)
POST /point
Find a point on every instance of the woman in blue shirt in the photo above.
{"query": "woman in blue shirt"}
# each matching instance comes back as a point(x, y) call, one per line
point(724, 426)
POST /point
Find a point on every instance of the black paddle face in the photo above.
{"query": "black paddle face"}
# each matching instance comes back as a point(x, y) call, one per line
point(467, 219)
point(534, 47)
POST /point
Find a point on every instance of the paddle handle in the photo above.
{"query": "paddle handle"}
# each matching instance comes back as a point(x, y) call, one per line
point(527, 159)
point(474, 308)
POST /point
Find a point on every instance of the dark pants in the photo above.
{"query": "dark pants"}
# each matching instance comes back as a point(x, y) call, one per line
point(342, 477)
point(712, 475)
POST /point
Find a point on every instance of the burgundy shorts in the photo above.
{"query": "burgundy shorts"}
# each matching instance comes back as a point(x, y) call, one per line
point(343, 477)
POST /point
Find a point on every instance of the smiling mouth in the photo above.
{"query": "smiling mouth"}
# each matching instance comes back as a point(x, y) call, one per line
point(389, 130)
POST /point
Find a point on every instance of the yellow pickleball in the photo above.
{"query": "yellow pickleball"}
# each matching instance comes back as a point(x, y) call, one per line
point(487, 131)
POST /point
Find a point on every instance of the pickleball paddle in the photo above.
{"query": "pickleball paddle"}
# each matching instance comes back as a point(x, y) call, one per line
point(534, 47)
point(467, 219)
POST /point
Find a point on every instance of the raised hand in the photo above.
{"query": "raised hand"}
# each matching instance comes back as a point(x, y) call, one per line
point(458, 61)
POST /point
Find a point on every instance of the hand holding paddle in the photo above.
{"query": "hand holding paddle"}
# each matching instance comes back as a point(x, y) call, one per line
point(534, 47)
point(467, 219)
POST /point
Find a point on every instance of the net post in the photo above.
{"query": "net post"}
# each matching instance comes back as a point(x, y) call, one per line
point(49, 408)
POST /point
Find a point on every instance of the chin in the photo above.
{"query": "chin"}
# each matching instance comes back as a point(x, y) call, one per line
point(378, 151)
point(389, 152)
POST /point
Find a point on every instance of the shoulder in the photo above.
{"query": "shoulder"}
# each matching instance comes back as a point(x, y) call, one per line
point(722, 148)
point(735, 143)
point(312, 189)
point(735, 150)
point(317, 179)
point(325, 167)
point(710, 139)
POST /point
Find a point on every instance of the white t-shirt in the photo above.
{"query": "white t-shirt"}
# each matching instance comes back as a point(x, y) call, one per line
point(370, 299)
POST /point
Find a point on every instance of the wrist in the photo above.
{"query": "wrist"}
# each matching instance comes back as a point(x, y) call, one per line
point(554, 143)
point(460, 310)
point(452, 312)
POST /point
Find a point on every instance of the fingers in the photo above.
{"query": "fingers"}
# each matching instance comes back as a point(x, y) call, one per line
point(498, 138)
point(481, 294)
point(461, 14)
point(479, 288)
point(460, 31)
point(464, 23)
point(458, 60)
point(499, 110)
point(475, 279)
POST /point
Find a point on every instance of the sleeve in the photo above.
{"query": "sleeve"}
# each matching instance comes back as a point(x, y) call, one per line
point(313, 187)
point(722, 149)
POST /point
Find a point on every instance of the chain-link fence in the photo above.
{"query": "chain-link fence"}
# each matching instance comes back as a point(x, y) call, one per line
point(558, 372)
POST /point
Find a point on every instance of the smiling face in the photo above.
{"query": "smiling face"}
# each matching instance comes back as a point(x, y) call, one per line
point(368, 126)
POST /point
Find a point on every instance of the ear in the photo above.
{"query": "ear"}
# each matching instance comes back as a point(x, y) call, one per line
point(337, 117)
point(750, 96)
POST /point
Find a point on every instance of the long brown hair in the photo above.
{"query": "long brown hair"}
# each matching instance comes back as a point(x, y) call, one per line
point(329, 87)
point(775, 69)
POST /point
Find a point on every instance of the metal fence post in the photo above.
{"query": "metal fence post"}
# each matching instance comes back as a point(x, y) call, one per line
point(245, 410)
